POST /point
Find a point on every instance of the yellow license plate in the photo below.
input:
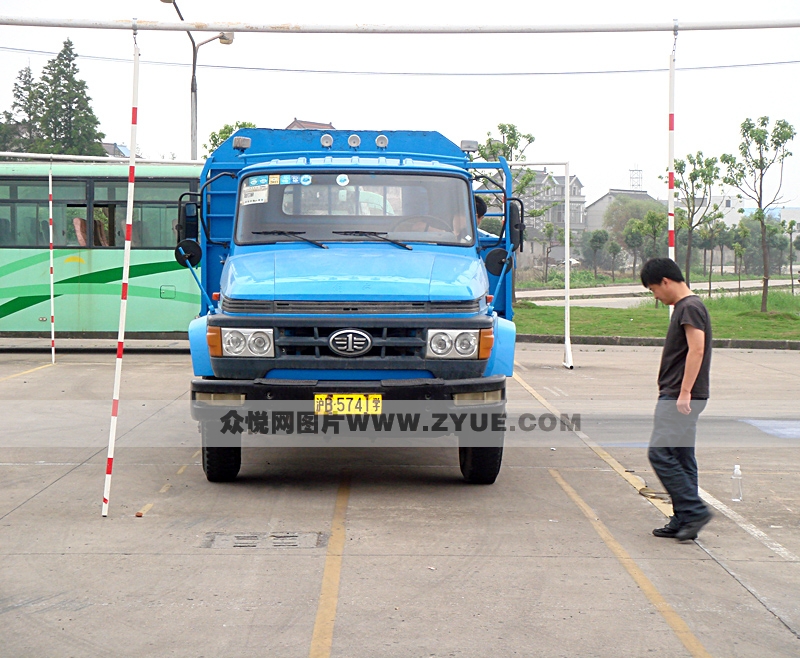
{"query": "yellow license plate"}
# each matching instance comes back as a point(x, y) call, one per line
point(342, 404)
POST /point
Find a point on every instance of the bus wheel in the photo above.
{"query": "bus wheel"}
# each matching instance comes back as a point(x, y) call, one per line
point(480, 465)
point(220, 463)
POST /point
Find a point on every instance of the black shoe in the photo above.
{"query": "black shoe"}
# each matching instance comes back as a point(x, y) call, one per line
point(666, 531)
point(689, 530)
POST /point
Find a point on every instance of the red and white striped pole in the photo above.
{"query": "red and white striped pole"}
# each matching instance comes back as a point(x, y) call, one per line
point(671, 156)
point(112, 435)
point(52, 286)
point(671, 194)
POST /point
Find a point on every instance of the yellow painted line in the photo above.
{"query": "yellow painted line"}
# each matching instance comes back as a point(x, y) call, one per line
point(673, 619)
point(145, 509)
point(661, 505)
point(182, 469)
point(165, 488)
point(322, 639)
point(19, 374)
point(197, 454)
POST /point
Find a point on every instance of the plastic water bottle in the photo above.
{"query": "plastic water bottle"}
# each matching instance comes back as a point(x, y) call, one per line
point(736, 484)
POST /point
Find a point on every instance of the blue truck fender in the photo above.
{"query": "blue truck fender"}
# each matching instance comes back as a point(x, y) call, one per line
point(501, 361)
point(201, 360)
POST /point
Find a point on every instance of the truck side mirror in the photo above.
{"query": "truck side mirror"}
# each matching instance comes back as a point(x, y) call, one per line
point(498, 261)
point(188, 252)
point(516, 227)
point(187, 221)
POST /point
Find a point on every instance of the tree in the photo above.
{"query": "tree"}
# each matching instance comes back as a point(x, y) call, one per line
point(215, 139)
point(9, 132)
point(693, 184)
point(633, 236)
point(711, 233)
point(511, 146)
point(67, 124)
point(27, 110)
point(724, 239)
point(551, 236)
point(614, 250)
point(790, 227)
point(740, 238)
point(738, 254)
point(597, 240)
point(625, 208)
point(653, 226)
point(760, 150)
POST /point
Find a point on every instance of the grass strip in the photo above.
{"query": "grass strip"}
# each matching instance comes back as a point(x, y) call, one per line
point(732, 316)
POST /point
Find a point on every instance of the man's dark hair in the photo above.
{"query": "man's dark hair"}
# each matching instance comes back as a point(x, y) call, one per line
point(480, 207)
point(657, 269)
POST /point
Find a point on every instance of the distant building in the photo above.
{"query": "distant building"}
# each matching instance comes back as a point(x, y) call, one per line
point(115, 150)
point(547, 193)
point(595, 211)
point(548, 190)
point(297, 124)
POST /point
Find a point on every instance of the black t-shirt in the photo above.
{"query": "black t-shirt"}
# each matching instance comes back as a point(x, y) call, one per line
point(689, 310)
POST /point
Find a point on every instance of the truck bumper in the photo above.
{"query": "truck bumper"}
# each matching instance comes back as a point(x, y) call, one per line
point(390, 389)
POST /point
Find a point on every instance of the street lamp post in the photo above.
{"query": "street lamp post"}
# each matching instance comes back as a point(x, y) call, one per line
point(225, 38)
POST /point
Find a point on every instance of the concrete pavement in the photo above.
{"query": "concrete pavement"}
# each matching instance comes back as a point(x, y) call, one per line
point(428, 566)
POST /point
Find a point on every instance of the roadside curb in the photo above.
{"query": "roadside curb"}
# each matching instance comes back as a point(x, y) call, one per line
point(732, 343)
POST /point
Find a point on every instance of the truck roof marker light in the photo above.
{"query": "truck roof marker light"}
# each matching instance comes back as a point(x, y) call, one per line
point(469, 145)
point(214, 340)
point(486, 343)
point(354, 141)
point(241, 143)
point(381, 141)
point(326, 141)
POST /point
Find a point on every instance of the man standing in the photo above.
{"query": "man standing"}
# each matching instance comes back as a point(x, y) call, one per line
point(683, 387)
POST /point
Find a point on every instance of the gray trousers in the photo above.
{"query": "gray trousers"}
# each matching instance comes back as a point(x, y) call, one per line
point(672, 457)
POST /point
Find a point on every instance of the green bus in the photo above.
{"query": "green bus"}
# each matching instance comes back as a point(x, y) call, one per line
point(88, 255)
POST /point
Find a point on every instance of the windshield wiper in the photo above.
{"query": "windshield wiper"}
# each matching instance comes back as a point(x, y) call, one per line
point(291, 234)
point(375, 234)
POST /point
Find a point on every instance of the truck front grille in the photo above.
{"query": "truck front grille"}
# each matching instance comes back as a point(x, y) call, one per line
point(264, 307)
point(387, 342)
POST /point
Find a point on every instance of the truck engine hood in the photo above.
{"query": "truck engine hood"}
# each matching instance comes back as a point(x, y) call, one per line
point(354, 273)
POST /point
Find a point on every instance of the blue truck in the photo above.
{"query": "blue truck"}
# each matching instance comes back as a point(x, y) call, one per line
point(341, 268)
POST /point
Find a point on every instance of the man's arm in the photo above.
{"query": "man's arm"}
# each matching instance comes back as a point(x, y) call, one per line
point(696, 340)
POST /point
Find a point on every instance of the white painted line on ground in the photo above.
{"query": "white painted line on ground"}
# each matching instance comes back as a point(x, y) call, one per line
point(749, 528)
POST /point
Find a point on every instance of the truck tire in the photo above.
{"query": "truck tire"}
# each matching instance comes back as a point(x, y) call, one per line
point(221, 463)
point(480, 465)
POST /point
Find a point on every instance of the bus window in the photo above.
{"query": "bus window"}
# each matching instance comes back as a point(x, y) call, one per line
point(155, 226)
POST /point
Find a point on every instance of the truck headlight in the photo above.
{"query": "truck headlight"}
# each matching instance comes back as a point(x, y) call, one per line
point(466, 343)
point(440, 344)
point(233, 342)
point(259, 343)
point(455, 344)
point(246, 342)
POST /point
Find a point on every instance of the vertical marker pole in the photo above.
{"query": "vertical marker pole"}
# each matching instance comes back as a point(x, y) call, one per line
point(52, 286)
point(112, 434)
point(567, 266)
point(671, 156)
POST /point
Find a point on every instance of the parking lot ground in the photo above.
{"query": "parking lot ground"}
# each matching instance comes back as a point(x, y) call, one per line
point(555, 559)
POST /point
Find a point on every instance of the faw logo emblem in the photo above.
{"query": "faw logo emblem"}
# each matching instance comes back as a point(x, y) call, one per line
point(350, 342)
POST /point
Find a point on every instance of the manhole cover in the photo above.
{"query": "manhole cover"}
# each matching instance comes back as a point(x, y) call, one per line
point(263, 540)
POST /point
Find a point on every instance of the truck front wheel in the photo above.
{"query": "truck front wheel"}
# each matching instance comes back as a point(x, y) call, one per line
point(480, 465)
point(220, 463)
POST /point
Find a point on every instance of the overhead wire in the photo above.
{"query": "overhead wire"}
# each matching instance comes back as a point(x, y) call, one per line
point(226, 67)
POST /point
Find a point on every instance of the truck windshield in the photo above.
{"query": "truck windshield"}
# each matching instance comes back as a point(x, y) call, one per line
point(406, 208)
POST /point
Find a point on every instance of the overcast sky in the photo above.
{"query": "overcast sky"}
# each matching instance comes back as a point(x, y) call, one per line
point(604, 123)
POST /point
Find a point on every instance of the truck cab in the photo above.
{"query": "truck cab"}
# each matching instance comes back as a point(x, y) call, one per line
point(347, 268)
